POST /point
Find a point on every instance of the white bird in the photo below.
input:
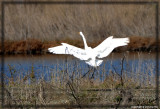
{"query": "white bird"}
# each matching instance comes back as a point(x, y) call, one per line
point(91, 55)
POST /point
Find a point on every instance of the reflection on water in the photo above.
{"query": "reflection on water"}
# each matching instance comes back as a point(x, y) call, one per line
point(46, 65)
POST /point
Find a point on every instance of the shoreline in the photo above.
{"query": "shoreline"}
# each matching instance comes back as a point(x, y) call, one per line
point(35, 46)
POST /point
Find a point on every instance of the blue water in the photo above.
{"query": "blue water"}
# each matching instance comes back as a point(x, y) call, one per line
point(45, 66)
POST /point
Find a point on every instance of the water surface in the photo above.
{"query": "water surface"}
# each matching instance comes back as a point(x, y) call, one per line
point(47, 65)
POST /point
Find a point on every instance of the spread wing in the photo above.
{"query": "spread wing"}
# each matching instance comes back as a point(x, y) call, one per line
point(107, 46)
point(69, 49)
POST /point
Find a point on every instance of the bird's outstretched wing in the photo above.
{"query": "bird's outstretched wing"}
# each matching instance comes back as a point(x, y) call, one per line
point(69, 49)
point(107, 46)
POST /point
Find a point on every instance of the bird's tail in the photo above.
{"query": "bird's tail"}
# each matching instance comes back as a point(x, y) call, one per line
point(98, 62)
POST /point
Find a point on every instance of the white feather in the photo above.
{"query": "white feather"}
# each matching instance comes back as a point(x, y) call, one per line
point(108, 45)
point(69, 49)
point(88, 54)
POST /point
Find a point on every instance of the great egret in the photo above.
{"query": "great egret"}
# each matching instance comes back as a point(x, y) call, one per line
point(91, 56)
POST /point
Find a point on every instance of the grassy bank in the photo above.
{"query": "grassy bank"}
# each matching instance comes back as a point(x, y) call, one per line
point(34, 46)
point(34, 28)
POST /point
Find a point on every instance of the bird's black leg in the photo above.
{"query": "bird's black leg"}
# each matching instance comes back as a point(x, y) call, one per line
point(91, 69)
point(94, 69)
point(86, 72)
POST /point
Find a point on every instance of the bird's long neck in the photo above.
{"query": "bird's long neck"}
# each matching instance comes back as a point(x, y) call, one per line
point(84, 40)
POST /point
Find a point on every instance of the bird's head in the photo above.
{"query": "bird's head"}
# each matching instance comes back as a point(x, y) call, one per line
point(80, 33)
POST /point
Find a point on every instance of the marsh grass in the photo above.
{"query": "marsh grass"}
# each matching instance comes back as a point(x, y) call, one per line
point(57, 22)
point(65, 87)
point(31, 29)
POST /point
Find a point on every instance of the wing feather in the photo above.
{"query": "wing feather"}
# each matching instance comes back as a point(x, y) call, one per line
point(69, 49)
point(107, 46)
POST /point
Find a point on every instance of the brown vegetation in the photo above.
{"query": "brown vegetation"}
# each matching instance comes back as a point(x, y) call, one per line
point(23, 47)
point(142, 44)
point(34, 28)
point(57, 22)
point(34, 46)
